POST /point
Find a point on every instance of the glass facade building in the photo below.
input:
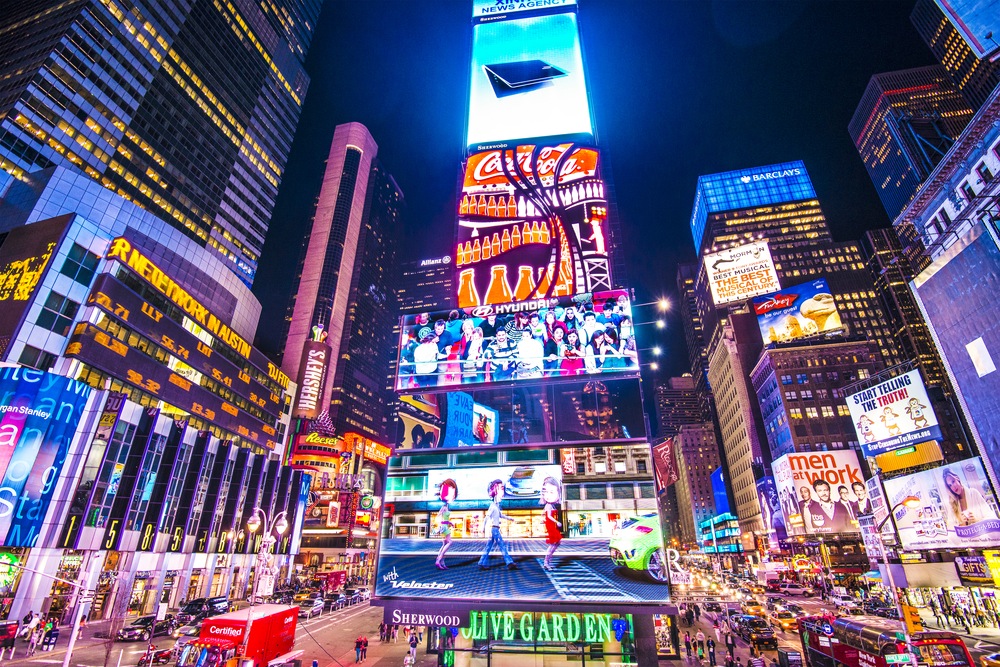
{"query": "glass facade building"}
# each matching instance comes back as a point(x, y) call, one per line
point(187, 109)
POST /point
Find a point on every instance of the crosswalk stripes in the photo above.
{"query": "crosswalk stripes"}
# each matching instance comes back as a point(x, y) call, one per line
point(574, 581)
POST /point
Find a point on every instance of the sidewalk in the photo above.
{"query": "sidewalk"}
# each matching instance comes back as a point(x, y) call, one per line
point(978, 638)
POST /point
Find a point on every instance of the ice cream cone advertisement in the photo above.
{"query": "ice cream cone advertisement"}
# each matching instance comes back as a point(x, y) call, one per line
point(893, 414)
point(796, 312)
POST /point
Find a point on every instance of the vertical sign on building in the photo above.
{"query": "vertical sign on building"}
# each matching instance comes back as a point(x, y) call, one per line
point(312, 379)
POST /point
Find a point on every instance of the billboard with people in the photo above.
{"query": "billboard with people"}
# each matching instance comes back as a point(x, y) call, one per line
point(590, 334)
point(955, 507)
point(821, 492)
point(503, 533)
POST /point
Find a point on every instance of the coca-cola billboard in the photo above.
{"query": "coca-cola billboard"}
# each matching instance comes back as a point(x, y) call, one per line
point(532, 224)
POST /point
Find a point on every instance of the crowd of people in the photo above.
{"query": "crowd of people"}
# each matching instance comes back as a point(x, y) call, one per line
point(41, 632)
point(575, 339)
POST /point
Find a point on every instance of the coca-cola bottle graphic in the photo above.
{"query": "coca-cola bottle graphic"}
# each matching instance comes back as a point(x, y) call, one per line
point(525, 283)
point(499, 289)
point(468, 297)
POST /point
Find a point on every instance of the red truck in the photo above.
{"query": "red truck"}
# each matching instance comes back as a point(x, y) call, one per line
point(224, 640)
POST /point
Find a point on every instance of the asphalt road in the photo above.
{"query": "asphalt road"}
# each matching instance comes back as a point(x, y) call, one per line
point(328, 639)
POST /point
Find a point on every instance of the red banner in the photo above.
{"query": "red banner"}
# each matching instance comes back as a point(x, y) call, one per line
point(663, 462)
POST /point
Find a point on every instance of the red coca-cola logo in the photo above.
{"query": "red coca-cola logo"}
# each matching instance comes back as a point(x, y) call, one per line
point(775, 302)
point(488, 166)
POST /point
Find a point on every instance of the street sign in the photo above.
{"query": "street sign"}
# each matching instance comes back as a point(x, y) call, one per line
point(897, 659)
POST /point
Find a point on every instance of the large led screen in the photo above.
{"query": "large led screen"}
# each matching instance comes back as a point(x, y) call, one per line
point(820, 492)
point(532, 223)
point(797, 312)
point(527, 80)
point(893, 414)
point(510, 533)
point(957, 508)
point(549, 414)
point(591, 334)
point(742, 272)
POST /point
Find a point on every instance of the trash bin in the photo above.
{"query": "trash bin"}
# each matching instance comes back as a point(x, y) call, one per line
point(50, 640)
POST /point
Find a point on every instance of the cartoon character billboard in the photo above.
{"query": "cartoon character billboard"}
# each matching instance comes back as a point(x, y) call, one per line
point(893, 414)
point(820, 492)
point(503, 534)
point(797, 312)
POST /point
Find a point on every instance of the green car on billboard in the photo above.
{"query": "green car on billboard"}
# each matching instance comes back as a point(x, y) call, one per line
point(638, 545)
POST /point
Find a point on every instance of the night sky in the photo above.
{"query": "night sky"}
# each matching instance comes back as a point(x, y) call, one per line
point(678, 89)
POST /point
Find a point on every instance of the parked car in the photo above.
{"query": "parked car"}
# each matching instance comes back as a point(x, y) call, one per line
point(310, 608)
point(790, 588)
point(638, 545)
point(784, 620)
point(201, 608)
point(146, 627)
point(335, 601)
point(756, 631)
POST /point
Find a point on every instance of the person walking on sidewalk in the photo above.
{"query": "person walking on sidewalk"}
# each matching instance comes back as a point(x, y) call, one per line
point(395, 632)
point(697, 612)
point(730, 644)
point(413, 645)
point(364, 648)
point(357, 649)
point(710, 645)
point(700, 638)
point(687, 643)
point(718, 631)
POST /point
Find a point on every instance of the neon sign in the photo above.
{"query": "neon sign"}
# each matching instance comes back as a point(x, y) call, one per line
point(545, 627)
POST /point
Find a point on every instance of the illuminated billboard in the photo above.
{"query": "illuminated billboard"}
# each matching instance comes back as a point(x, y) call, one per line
point(527, 80)
point(820, 492)
point(748, 188)
point(590, 334)
point(797, 312)
point(494, 9)
point(957, 507)
point(893, 414)
point(532, 224)
point(736, 274)
point(503, 534)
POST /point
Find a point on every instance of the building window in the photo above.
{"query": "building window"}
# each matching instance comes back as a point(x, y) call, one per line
point(827, 410)
point(581, 468)
point(80, 265)
point(646, 490)
point(786, 379)
point(807, 394)
point(572, 492)
point(811, 413)
point(984, 173)
point(795, 413)
point(801, 378)
point(57, 314)
point(596, 491)
point(843, 410)
point(791, 396)
point(40, 359)
point(640, 465)
point(622, 491)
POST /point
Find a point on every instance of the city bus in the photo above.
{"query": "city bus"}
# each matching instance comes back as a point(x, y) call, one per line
point(868, 641)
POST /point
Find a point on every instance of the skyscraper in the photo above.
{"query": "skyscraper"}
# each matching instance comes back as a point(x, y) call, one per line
point(975, 77)
point(677, 404)
point(185, 109)
point(697, 457)
point(903, 125)
point(345, 296)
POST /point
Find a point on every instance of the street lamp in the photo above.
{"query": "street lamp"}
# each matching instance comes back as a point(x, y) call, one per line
point(264, 565)
point(909, 502)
